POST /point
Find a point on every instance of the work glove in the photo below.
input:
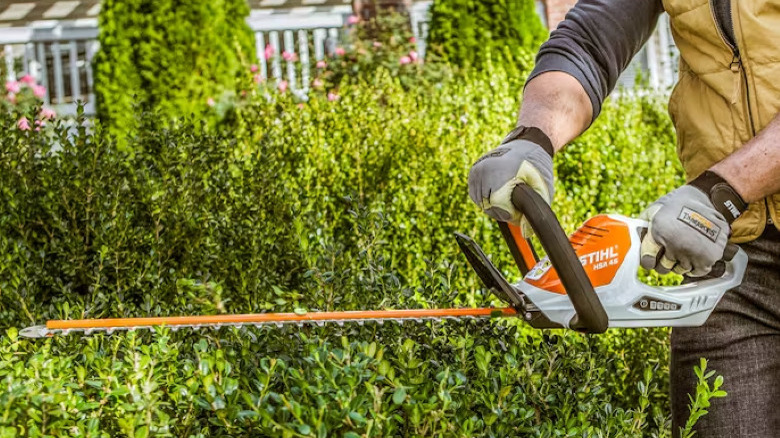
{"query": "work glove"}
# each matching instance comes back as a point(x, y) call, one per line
point(525, 156)
point(690, 227)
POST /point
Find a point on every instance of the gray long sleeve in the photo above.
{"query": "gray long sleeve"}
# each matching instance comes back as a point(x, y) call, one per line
point(597, 41)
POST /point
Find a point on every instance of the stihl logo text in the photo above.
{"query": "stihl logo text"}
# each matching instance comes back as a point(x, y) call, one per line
point(732, 208)
point(601, 258)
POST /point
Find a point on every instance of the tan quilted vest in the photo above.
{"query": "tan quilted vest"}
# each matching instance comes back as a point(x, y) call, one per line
point(720, 101)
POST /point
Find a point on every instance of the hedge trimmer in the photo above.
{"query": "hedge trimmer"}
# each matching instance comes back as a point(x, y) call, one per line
point(587, 282)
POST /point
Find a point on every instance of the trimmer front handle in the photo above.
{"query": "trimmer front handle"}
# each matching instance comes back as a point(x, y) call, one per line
point(591, 317)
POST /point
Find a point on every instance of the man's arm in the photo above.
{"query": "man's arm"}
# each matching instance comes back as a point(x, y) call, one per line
point(581, 62)
point(575, 70)
point(754, 169)
point(556, 103)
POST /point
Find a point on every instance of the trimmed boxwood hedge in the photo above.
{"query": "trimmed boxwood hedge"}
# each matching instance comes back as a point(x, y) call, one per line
point(346, 204)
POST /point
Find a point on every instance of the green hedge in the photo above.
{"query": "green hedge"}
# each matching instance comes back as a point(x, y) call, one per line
point(168, 56)
point(471, 32)
point(345, 204)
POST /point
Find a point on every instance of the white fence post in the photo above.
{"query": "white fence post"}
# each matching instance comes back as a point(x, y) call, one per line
point(42, 72)
point(59, 86)
point(10, 72)
point(289, 47)
point(319, 43)
point(303, 49)
point(75, 76)
point(276, 67)
point(260, 49)
point(90, 49)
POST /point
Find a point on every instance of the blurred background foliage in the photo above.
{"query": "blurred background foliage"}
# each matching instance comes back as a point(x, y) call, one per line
point(168, 56)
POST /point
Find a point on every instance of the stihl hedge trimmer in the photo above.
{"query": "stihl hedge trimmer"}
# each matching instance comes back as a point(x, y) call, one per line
point(587, 282)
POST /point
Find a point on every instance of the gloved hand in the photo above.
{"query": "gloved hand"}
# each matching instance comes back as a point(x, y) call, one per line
point(690, 226)
point(525, 156)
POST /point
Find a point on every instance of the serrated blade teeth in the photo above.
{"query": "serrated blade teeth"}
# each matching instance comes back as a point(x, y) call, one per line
point(280, 320)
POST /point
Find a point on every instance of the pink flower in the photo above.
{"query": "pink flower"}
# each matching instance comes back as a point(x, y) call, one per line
point(321, 64)
point(340, 51)
point(413, 55)
point(332, 96)
point(27, 79)
point(289, 56)
point(210, 101)
point(253, 68)
point(301, 106)
point(377, 44)
point(353, 19)
point(39, 91)
point(412, 40)
point(39, 124)
point(12, 98)
point(405, 60)
point(283, 86)
point(12, 87)
point(317, 83)
point(258, 78)
point(48, 113)
point(269, 51)
point(23, 124)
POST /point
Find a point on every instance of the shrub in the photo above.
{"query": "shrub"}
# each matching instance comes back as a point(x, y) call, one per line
point(168, 57)
point(468, 33)
point(332, 205)
point(383, 42)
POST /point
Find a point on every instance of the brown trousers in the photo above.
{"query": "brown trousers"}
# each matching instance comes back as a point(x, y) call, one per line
point(741, 342)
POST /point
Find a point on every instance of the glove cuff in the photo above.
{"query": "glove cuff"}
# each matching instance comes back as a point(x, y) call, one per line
point(722, 195)
point(532, 134)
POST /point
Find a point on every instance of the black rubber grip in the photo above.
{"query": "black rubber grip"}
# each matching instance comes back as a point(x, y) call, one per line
point(591, 317)
point(730, 252)
point(719, 268)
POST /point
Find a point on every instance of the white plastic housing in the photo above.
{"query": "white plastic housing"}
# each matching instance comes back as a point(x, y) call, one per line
point(623, 299)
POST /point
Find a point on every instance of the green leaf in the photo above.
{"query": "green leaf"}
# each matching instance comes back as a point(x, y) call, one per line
point(357, 417)
point(399, 396)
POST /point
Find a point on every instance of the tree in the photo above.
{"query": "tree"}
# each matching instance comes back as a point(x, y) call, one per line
point(168, 56)
point(468, 32)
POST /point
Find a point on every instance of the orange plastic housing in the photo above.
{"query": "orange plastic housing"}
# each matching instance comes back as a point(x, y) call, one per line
point(522, 245)
point(601, 244)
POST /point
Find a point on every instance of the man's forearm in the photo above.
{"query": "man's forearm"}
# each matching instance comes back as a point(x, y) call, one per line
point(754, 170)
point(556, 103)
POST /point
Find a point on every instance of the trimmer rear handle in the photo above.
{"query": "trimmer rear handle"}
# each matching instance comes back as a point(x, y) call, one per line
point(591, 317)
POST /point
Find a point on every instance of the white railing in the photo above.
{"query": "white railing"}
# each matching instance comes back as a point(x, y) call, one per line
point(57, 57)
point(311, 37)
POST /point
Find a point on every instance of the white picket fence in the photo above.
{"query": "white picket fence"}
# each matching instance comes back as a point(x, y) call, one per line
point(311, 37)
point(59, 56)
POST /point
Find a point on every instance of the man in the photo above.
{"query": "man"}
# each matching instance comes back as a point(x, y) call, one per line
point(725, 109)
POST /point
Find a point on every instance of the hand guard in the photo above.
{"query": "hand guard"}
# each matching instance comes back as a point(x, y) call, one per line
point(525, 156)
point(690, 227)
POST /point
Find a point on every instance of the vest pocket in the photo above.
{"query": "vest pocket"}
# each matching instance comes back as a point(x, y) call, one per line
point(706, 123)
